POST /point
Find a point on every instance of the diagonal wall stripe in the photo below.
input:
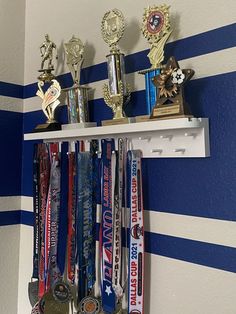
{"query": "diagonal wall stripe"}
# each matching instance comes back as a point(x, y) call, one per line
point(205, 254)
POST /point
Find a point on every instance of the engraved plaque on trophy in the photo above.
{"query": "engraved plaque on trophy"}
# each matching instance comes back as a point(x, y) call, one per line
point(77, 95)
point(49, 88)
point(170, 101)
point(117, 92)
point(156, 28)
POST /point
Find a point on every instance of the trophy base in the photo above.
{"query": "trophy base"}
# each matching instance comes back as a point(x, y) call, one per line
point(118, 121)
point(48, 127)
point(82, 125)
point(144, 118)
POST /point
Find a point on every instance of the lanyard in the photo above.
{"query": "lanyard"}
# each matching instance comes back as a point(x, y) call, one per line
point(44, 171)
point(63, 218)
point(53, 271)
point(85, 225)
point(117, 214)
point(136, 234)
point(71, 242)
point(36, 213)
point(108, 294)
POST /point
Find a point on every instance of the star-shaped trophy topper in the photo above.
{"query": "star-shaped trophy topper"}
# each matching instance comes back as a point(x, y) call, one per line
point(170, 82)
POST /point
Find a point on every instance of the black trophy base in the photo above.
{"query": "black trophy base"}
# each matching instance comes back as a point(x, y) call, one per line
point(47, 127)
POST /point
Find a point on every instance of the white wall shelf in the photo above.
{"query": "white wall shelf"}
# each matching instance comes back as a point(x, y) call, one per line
point(183, 137)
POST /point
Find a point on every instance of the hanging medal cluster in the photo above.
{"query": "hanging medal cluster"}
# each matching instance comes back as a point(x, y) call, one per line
point(88, 252)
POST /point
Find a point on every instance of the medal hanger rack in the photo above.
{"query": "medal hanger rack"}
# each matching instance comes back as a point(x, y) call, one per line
point(173, 138)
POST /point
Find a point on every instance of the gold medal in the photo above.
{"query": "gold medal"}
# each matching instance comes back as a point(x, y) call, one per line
point(51, 306)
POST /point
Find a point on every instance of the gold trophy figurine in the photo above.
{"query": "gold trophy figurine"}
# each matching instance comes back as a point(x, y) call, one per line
point(49, 96)
point(46, 51)
point(117, 92)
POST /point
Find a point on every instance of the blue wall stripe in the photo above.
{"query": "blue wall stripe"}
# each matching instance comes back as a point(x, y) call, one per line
point(203, 43)
point(192, 251)
point(11, 128)
point(9, 218)
point(201, 253)
point(16, 217)
point(11, 90)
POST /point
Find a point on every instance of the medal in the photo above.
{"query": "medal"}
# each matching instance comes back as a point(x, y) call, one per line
point(54, 307)
point(61, 292)
point(89, 305)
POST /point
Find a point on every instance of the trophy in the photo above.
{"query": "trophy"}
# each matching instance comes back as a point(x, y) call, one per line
point(170, 102)
point(156, 28)
point(49, 97)
point(77, 95)
point(117, 92)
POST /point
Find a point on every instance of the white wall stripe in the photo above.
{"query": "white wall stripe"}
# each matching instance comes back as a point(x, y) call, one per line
point(11, 104)
point(211, 64)
point(190, 227)
point(10, 203)
point(177, 287)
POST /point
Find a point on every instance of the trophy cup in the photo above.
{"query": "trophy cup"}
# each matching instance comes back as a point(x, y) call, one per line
point(170, 101)
point(52, 93)
point(77, 95)
point(156, 28)
point(117, 92)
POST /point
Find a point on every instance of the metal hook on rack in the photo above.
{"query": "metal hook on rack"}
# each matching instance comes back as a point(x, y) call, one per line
point(145, 138)
point(190, 135)
point(180, 150)
point(157, 150)
point(168, 137)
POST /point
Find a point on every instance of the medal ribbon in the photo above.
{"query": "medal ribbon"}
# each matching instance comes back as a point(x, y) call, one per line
point(36, 213)
point(63, 217)
point(108, 294)
point(85, 224)
point(94, 147)
point(53, 214)
point(118, 197)
point(71, 243)
point(136, 247)
point(44, 171)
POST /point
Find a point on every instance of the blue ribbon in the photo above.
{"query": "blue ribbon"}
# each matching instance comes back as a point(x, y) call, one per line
point(108, 294)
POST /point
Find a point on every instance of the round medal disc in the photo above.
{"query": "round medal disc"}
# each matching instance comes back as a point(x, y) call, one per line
point(61, 292)
point(89, 305)
point(52, 306)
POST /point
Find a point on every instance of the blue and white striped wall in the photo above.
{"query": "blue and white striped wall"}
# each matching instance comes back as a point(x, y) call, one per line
point(190, 210)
